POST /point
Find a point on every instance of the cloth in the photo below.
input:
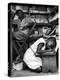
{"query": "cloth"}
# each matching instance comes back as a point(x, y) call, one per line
point(30, 59)
point(18, 66)
point(18, 22)
point(20, 35)
point(26, 21)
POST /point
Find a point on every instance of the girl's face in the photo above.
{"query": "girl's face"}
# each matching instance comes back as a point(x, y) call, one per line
point(16, 17)
point(44, 30)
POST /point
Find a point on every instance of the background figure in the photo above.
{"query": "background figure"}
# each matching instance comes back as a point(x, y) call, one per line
point(22, 23)
point(22, 31)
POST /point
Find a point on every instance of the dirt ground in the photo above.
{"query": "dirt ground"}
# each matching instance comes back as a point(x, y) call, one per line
point(29, 73)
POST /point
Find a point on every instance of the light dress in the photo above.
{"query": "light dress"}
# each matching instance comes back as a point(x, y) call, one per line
point(30, 59)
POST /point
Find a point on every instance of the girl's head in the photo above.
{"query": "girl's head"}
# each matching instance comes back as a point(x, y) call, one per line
point(40, 45)
point(51, 43)
point(19, 14)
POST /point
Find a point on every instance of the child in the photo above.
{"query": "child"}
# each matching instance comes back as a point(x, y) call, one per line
point(33, 62)
point(30, 59)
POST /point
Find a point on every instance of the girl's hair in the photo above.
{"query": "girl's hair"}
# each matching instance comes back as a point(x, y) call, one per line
point(40, 45)
point(20, 14)
point(51, 43)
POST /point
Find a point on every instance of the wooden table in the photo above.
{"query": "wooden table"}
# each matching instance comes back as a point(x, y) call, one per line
point(49, 62)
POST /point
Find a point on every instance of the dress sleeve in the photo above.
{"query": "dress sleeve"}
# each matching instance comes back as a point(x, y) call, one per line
point(35, 44)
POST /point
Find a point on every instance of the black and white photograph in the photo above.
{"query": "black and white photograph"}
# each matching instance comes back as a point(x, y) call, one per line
point(33, 38)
